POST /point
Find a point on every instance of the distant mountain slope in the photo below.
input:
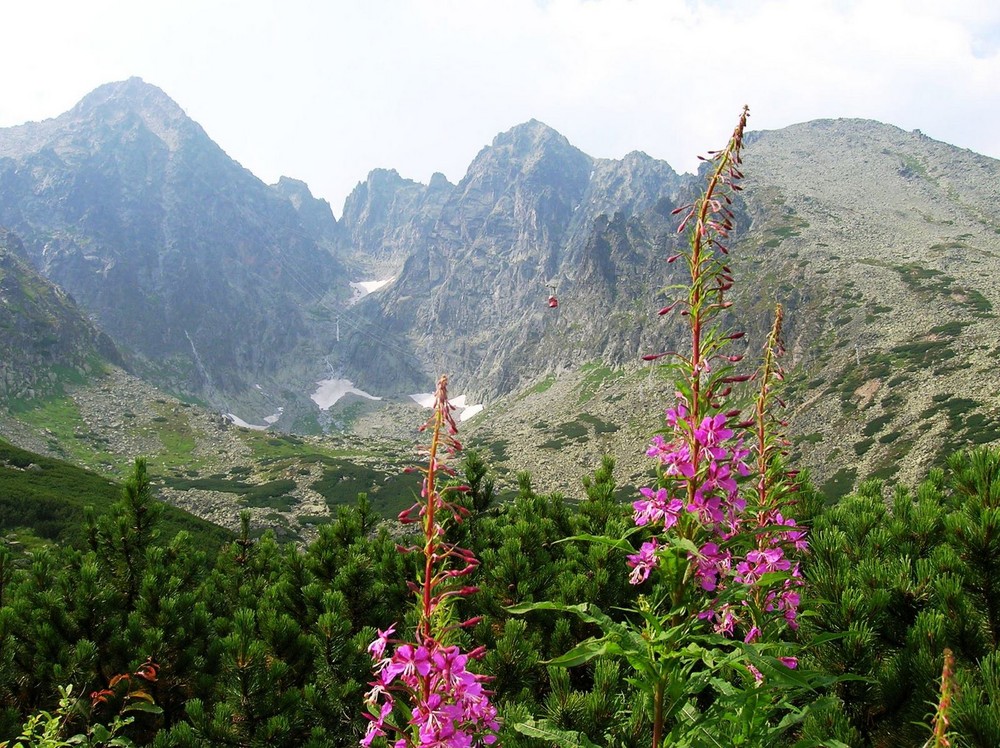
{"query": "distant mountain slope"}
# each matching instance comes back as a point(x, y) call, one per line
point(45, 341)
point(883, 246)
point(886, 246)
point(182, 256)
point(47, 498)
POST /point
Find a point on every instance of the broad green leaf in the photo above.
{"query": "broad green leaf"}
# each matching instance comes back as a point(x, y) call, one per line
point(586, 651)
point(585, 611)
point(143, 706)
point(683, 543)
point(544, 730)
point(617, 543)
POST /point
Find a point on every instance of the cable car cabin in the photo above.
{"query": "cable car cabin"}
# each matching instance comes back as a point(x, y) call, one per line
point(553, 302)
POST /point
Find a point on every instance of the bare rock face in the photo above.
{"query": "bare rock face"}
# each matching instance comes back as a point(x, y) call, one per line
point(315, 213)
point(532, 216)
point(182, 256)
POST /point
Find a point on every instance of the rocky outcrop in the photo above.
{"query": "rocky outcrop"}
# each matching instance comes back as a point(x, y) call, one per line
point(315, 213)
point(386, 217)
point(533, 214)
point(45, 341)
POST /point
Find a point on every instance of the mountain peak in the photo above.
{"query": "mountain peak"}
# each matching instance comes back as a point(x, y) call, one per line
point(133, 93)
point(113, 103)
point(530, 135)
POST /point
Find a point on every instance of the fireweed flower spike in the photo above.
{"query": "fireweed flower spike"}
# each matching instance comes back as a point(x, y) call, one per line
point(720, 542)
point(715, 550)
point(448, 705)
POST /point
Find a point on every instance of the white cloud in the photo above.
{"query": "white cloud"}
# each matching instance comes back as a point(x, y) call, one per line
point(325, 91)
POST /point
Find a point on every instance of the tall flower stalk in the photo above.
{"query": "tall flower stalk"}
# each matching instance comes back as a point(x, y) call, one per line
point(720, 561)
point(942, 715)
point(423, 694)
point(719, 585)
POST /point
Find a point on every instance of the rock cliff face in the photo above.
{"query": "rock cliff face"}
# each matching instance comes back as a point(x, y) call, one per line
point(45, 342)
point(181, 255)
point(533, 214)
point(315, 213)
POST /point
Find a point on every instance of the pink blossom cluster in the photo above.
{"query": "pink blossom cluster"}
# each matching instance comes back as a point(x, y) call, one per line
point(453, 708)
point(703, 462)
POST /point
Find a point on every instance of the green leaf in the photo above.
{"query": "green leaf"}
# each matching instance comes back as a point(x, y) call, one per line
point(586, 612)
point(684, 544)
point(618, 543)
point(544, 730)
point(143, 706)
point(101, 733)
point(585, 651)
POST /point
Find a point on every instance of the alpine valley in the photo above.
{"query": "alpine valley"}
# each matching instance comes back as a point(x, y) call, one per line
point(157, 299)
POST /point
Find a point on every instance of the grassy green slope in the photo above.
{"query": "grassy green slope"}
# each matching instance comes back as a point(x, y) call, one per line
point(41, 497)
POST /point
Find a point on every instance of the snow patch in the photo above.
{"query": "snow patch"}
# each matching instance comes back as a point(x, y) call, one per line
point(465, 411)
point(243, 424)
point(472, 410)
point(425, 400)
point(271, 420)
point(361, 289)
point(331, 390)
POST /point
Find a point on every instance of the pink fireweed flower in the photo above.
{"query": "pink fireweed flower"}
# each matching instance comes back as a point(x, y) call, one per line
point(759, 563)
point(724, 619)
point(451, 706)
point(786, 602)
point(789, 662)
point(657, 507)
point(710, 564)
point(376, 725)
point(448, 705)
point(708, 509)
point(796, 536)
point(377, 648)
point(643, 562)
point(407, 663)
point(737, 458)
point(676, 414)
point(718, 480)
point(711, 433)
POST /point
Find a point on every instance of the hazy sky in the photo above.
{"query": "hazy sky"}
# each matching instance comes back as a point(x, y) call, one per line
point(325, 91)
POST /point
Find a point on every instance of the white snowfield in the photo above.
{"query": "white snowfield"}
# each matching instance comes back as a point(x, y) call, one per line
point(331, 390)
point(243, 424)
point(465, 411)
point(363, 288)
